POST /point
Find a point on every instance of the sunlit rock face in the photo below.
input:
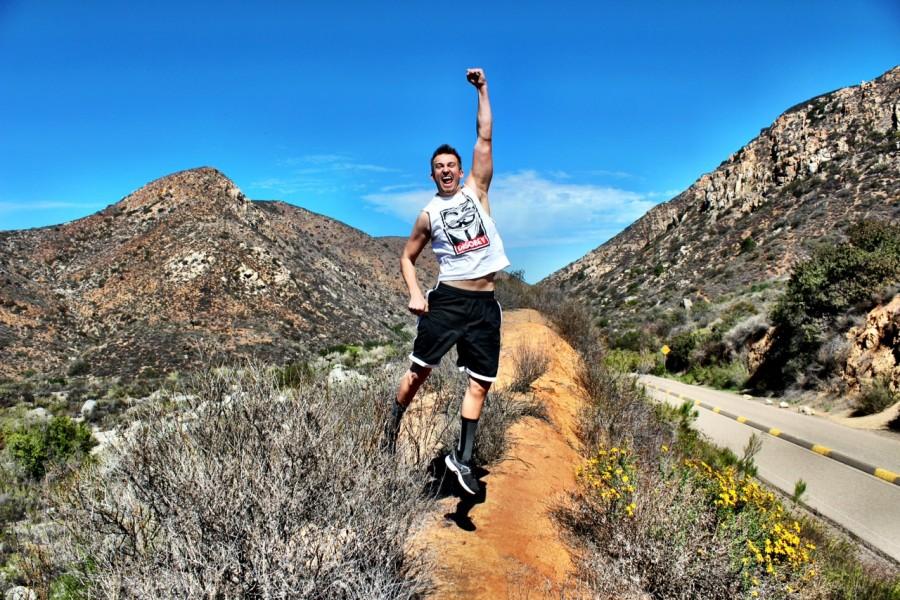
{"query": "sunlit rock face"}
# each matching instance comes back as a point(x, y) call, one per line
point(874, 349)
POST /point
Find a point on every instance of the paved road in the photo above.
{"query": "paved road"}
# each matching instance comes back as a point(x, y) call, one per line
point(865, 505)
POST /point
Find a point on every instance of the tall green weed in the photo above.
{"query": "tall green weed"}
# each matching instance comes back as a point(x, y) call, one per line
point(36, 446)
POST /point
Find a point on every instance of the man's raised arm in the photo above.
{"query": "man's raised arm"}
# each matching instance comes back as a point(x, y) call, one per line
point(482, 158)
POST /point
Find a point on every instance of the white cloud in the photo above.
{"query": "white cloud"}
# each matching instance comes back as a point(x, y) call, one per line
point(534, 211)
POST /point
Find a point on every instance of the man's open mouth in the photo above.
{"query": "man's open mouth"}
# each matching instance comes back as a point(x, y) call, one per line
point(447, 179)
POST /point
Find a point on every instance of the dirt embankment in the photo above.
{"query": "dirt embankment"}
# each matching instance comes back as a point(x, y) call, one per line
point(507, 546)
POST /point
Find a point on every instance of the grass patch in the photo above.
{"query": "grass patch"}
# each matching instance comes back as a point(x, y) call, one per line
point(630, 361)
point(731, 376)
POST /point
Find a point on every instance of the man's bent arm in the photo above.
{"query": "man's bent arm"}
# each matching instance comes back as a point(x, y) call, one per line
point(417, 239)
point(482, 158)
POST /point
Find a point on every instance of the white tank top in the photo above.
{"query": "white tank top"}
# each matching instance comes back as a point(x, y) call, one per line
point(464, 237)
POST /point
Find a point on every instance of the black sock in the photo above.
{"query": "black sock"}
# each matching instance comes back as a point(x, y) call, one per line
point(392, 426)
point(467, 431)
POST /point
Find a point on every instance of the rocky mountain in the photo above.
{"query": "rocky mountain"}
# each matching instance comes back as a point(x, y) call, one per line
point(823, 164)
point(188, 269)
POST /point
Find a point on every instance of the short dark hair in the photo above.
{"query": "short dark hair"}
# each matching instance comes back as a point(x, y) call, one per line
point(444, 149)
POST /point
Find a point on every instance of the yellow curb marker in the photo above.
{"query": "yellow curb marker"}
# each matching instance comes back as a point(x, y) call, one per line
point(886, 475)
point(696, 403)
point(821, 450)
point(775, 431)
point(742, 419)
point(716, 409)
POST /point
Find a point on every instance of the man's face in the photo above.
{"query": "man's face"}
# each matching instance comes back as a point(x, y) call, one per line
point(446, 173)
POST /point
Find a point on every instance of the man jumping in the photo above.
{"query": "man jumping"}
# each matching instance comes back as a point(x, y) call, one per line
point(461, 310)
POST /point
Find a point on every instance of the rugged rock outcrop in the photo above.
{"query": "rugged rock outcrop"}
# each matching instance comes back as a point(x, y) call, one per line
point(874, 348)
point(188, 269)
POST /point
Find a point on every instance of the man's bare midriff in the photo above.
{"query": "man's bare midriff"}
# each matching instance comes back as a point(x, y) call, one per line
point(482, 284)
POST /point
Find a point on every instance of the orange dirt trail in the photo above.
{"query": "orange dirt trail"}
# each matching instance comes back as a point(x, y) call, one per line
point(516, 550)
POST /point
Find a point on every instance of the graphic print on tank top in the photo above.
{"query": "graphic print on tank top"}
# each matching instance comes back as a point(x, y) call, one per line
point(464, 227)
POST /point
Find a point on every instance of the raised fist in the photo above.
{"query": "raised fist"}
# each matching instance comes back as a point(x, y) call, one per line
point(476, 77)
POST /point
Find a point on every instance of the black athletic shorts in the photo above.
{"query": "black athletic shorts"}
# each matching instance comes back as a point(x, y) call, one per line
point(470, 320)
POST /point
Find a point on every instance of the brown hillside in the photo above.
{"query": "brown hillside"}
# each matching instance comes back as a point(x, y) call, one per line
point(188, 265)
point(821, 165)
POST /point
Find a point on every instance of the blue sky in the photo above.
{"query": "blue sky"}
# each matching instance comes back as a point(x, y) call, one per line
point(602, 109)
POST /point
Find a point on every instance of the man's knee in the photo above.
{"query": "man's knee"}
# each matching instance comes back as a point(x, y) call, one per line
point(417, 374)
point(478, 388)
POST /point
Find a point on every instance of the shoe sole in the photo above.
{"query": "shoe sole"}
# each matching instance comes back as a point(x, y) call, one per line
point(459, 478)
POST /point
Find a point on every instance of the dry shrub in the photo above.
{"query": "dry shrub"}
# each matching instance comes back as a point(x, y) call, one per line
point(745, 332)
point(524, 583)
point(242, 490)
point(529, 363)
point(617, 411)
point(684, 529)
point(668, 549)
point(512, 291)
point(832, 355)
point(238, 486)
point(572, 320)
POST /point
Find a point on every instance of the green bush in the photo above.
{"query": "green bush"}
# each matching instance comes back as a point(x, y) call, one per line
point(876, 236)
point(835, 279)
point(35, 447)
point(68, 587)
point(79, 367)
point(632, 339)
point(748, 244)
point(874, 398)
point(680, 348)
